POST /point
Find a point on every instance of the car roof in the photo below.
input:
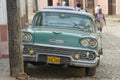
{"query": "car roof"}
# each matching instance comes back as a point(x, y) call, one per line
point(60, 7)
point(68, 11)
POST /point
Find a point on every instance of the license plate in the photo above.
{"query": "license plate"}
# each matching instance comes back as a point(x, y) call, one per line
point(53, 60)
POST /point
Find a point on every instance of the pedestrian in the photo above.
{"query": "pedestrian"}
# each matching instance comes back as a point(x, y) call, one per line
point(97, 9)
point(78, 6)
point(82, 9)
point(63, 3)
point(101, 18)
point(58, 3)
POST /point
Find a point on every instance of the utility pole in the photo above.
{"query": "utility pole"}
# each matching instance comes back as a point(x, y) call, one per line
point(15, 45)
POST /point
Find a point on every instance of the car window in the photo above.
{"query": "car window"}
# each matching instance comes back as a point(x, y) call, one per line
point(63, 20)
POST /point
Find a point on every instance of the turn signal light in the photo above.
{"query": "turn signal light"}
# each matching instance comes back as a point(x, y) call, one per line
point(31, 52)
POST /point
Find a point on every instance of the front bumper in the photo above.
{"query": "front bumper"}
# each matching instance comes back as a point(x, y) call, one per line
point(72, 62)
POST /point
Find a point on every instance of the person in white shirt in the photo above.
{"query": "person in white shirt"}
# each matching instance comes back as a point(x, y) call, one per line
point(82, 9)
point(78, 6)
point(63, 3)
point(97, 9)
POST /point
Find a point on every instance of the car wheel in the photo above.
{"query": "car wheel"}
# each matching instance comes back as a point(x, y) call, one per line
point(100, 51)
point(90, 71)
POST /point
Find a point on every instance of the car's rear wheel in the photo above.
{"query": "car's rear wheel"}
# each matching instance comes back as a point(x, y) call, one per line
point(90, 71)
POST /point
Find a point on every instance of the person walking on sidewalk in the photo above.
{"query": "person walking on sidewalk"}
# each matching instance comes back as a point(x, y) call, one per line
point(101, 18)
point(58, 3)
point(78, 6)
point(97, 9)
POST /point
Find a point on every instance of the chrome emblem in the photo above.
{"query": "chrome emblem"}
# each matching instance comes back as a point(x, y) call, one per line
point(56, 41)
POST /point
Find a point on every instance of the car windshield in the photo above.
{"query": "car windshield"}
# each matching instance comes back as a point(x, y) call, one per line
point(63, 20)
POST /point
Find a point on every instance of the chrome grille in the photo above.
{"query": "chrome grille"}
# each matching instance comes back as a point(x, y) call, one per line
point(53, 50)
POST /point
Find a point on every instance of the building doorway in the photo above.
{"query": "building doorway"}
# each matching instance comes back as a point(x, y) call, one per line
point(67, 2)
point(111, 7)
point(50, 2)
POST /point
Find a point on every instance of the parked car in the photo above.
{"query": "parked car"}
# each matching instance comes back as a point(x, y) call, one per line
point(62, 37)
point(60, 8)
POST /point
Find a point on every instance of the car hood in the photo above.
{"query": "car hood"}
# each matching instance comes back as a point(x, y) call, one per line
point(59, 37)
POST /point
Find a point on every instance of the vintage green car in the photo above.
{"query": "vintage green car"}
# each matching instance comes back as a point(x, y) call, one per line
point(60, 37)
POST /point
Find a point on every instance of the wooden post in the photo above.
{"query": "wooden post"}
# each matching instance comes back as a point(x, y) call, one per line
point(15, 45)
point(26, 8)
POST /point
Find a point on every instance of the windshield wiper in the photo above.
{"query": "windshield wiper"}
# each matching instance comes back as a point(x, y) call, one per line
point(80, 26)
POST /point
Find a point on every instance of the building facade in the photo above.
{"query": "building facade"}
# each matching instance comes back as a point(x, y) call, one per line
point(109, 7)
point(4, 26)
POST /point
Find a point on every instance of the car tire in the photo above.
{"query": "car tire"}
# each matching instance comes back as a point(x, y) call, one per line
point(90, 71)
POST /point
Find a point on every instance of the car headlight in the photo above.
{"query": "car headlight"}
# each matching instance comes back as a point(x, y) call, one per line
point(84, 42)
point(26, 36)
point(87, 55)
point(91, 55)
point(83, 55)
point(88, 42)
point(92, 43)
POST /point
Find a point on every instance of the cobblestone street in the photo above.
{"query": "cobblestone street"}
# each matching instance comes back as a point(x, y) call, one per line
point(109, 68)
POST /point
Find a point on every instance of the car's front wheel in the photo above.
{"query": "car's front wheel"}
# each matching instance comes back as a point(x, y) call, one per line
point(90, 71)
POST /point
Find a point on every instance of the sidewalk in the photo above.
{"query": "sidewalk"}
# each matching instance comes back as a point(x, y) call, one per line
point(114, 18)
point(4, 69)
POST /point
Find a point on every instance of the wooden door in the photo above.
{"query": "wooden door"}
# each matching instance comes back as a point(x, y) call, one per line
point(111, 7)
point(50, 2)
point(67, 2)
